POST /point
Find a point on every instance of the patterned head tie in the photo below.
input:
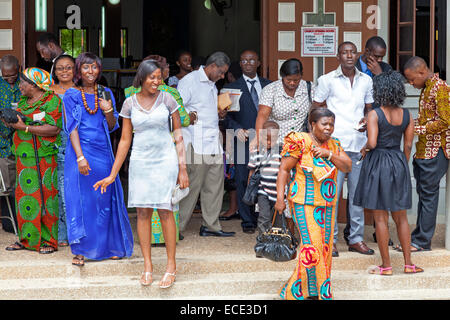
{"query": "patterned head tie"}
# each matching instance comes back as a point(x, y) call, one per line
point(39, 77)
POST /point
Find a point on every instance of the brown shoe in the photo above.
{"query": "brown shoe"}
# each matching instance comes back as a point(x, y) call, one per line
point(360, 247)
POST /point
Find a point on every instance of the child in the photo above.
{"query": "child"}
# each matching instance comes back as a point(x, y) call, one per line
point(267, 159)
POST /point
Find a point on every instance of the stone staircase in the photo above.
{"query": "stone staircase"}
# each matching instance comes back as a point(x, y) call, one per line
point(214, 269)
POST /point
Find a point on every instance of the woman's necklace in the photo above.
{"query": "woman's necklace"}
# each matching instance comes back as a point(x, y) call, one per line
point(83, 96)
point(63, 88)
point(315, 140)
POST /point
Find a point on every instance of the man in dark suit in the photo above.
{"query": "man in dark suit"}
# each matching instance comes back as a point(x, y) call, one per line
point(243, 124)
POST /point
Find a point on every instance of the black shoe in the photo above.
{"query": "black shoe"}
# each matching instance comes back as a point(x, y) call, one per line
point(249, 230)
point(235, 215)
point(181, 237)
point(390, 244)
point(204, 232)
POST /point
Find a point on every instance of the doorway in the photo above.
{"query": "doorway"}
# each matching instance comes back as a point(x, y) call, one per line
point(419, 27)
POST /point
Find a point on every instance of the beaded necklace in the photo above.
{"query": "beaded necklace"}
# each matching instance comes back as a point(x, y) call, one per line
point(89, 110)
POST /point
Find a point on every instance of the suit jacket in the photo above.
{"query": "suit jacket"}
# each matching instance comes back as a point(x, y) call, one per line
point(245, 118)
point(384, 68)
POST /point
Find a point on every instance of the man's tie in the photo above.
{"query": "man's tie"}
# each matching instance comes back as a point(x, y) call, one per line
point(253, 93)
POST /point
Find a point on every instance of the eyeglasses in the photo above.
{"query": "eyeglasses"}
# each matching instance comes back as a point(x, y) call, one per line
point(66, 68)
point(11, 77)
point(251, 62)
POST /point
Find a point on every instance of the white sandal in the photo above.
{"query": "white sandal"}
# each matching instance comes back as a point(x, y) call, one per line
point(174, 275)
point(146, 275)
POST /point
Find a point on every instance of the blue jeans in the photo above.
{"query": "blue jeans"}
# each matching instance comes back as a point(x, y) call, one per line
point(356, 213)
point(62, 227)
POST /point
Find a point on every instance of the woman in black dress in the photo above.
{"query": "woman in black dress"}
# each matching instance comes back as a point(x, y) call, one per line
point(385, 183)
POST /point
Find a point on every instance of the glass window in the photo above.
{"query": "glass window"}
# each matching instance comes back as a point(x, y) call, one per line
point(73, 41)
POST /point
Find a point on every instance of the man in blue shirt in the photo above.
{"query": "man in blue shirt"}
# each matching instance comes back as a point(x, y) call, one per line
point(9, 93)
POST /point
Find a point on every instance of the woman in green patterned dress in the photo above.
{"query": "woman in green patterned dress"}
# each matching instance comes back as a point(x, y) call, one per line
point(38, 229)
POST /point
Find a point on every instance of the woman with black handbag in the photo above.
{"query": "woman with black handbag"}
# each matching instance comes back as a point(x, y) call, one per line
point(315, 158)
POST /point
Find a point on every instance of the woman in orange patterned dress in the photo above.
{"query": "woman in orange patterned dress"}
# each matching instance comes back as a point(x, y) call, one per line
point(314, 159)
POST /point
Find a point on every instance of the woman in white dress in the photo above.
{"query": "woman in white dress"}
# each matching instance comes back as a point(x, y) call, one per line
point(156, 164)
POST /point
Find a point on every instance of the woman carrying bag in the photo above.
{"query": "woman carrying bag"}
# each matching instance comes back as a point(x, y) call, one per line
point(314, 158)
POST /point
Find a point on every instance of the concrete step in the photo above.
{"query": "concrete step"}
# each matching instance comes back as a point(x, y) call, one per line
point(62, 267)
point(434, 283)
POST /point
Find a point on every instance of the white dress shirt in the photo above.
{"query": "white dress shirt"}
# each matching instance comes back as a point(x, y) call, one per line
point(258, 86)
point(348, 104)
point(200, 94)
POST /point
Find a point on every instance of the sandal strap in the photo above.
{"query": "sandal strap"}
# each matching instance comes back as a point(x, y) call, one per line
point(380, 269)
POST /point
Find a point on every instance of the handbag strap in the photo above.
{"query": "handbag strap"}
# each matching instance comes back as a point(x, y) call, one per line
point(283, 219)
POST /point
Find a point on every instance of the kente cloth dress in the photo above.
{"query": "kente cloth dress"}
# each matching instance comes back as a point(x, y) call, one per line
point(98, 226)
point(153, 169)
point(157, 235)
point(37, 228)
point(312, 201)
point(385, 181)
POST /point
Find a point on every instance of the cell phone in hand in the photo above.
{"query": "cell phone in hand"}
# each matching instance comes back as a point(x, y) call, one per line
point(106, 95)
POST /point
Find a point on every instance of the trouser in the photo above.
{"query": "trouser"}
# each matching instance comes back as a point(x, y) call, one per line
point(8, 170)
point(246, 212)
point(428, 174)
point(62, 226)
point(265, 213)
point(206, 178)
point(356, 213)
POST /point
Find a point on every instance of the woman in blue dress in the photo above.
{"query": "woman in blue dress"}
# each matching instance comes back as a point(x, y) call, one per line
point(98, 227)
point(156, 164)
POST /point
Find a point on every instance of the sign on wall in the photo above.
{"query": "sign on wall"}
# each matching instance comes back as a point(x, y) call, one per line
point(319, 41)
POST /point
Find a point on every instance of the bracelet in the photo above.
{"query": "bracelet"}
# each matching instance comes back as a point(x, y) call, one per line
point(108, 111)
point(80, 159)
point(26, 129)
point(329, 157)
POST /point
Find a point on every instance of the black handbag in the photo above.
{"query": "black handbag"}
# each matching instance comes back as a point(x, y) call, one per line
point(10, 115)
point(277, 244)
point(251, 193)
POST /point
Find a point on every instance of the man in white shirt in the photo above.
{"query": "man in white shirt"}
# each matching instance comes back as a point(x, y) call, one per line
point(204, 146)
point(348, 93)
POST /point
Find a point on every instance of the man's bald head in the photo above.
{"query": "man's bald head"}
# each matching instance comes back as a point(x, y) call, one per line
point(417, 72)
point(415, 63)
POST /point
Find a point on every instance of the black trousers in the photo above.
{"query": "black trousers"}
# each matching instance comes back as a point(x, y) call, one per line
point(428, 174)
point(247, 213)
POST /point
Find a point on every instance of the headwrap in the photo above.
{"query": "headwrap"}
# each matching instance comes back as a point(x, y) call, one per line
point(39, 77)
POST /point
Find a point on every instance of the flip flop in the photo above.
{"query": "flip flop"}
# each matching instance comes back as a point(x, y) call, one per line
point(47, 249)
point(15, 247)
point(80, 261)
point(413, 249)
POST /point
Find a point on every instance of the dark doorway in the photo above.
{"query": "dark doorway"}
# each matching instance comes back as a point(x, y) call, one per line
point(166, 27)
